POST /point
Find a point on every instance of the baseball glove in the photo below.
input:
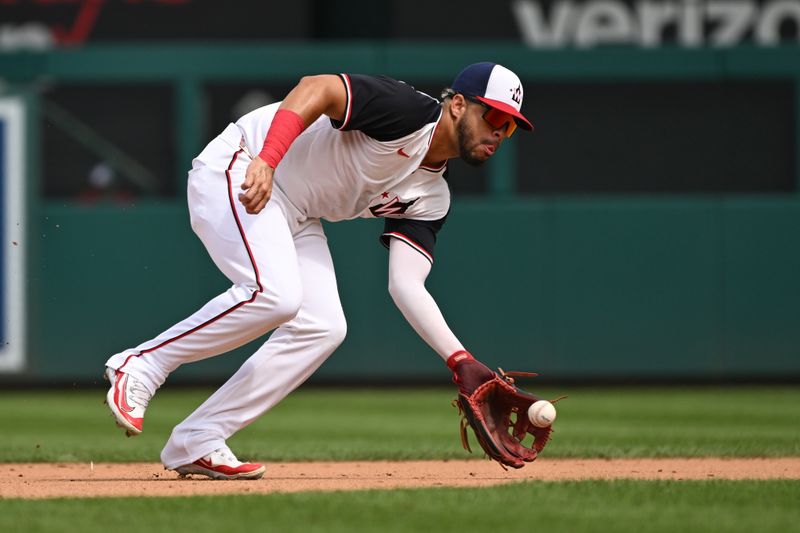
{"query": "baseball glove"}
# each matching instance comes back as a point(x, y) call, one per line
point(497, 411)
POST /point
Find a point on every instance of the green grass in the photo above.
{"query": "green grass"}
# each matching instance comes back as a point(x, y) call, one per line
point(615, 506)
point(320, 424)
point(317, 424)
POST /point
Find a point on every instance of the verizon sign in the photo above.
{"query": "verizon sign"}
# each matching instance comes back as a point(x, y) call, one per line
point(651, 23)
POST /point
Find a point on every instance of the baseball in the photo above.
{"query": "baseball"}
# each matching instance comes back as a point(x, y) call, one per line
point(542, 413)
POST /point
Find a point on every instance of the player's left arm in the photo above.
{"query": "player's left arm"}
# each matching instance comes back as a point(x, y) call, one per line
point(486, 400)
point(408, 270)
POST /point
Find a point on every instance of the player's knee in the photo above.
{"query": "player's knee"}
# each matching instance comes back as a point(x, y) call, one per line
point(329, 331)
point(336, 330)
point(274, 307)
point(284, 306)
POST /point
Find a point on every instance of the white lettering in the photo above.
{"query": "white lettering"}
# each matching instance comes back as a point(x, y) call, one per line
point(772, 16)
point(536, 32)
point(733, 18)
point(653, 18)
point(690, 29)
point(604, 22)
point(720, 23)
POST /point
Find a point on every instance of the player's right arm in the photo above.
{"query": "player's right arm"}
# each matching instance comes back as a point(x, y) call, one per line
point(311, 98)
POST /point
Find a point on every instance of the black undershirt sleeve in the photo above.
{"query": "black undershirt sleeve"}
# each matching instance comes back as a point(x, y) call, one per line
point(419, 234)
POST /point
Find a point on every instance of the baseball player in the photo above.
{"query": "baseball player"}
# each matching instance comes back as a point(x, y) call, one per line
point(338, 147)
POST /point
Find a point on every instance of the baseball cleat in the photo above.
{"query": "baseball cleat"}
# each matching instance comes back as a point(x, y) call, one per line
point(222, 464)
point(127, 398)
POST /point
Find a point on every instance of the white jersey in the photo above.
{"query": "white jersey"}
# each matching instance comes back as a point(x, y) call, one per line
point(367, 165)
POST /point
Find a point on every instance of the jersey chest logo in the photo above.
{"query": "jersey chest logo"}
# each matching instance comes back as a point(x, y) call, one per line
point(390, 208)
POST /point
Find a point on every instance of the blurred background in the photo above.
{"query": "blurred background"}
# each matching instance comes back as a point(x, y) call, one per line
point(648, 230)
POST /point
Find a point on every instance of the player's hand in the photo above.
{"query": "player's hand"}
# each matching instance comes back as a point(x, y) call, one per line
point(257, 186)
point(470, 374)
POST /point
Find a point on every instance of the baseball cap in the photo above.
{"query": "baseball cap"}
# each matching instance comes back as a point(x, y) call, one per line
point(495, 86)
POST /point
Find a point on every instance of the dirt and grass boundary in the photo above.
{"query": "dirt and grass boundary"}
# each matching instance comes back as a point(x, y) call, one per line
point(79, 480)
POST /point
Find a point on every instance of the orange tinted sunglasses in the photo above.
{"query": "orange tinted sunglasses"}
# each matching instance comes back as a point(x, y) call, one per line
point(497, 119)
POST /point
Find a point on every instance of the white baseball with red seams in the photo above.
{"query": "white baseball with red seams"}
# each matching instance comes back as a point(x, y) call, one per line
point(542, 414)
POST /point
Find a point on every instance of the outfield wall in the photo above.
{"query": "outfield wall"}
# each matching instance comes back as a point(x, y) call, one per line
point(573, 285)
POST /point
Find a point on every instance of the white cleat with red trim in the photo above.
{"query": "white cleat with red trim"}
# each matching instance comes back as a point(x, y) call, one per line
point(128, 399)
point(222, 464)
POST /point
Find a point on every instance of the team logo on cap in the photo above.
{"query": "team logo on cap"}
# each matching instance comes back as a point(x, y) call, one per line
point(516, 94)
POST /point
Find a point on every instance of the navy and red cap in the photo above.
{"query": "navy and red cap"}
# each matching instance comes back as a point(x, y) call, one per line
point(495, 86)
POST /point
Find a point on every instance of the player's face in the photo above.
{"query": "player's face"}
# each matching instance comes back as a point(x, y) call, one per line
point(478, 140)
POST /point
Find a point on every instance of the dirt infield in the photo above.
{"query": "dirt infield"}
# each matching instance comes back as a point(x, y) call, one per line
point(40, 480)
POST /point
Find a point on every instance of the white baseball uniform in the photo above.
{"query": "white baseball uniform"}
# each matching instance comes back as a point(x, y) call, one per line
point(367, 165)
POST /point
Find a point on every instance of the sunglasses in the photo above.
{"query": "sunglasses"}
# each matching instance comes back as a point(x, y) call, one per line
point(497, 119)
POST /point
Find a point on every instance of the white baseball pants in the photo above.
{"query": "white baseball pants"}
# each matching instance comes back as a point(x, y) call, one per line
point(283, 278)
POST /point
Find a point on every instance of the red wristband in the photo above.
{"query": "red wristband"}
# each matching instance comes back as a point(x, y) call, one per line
point(286, 126)
point(461, 355)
